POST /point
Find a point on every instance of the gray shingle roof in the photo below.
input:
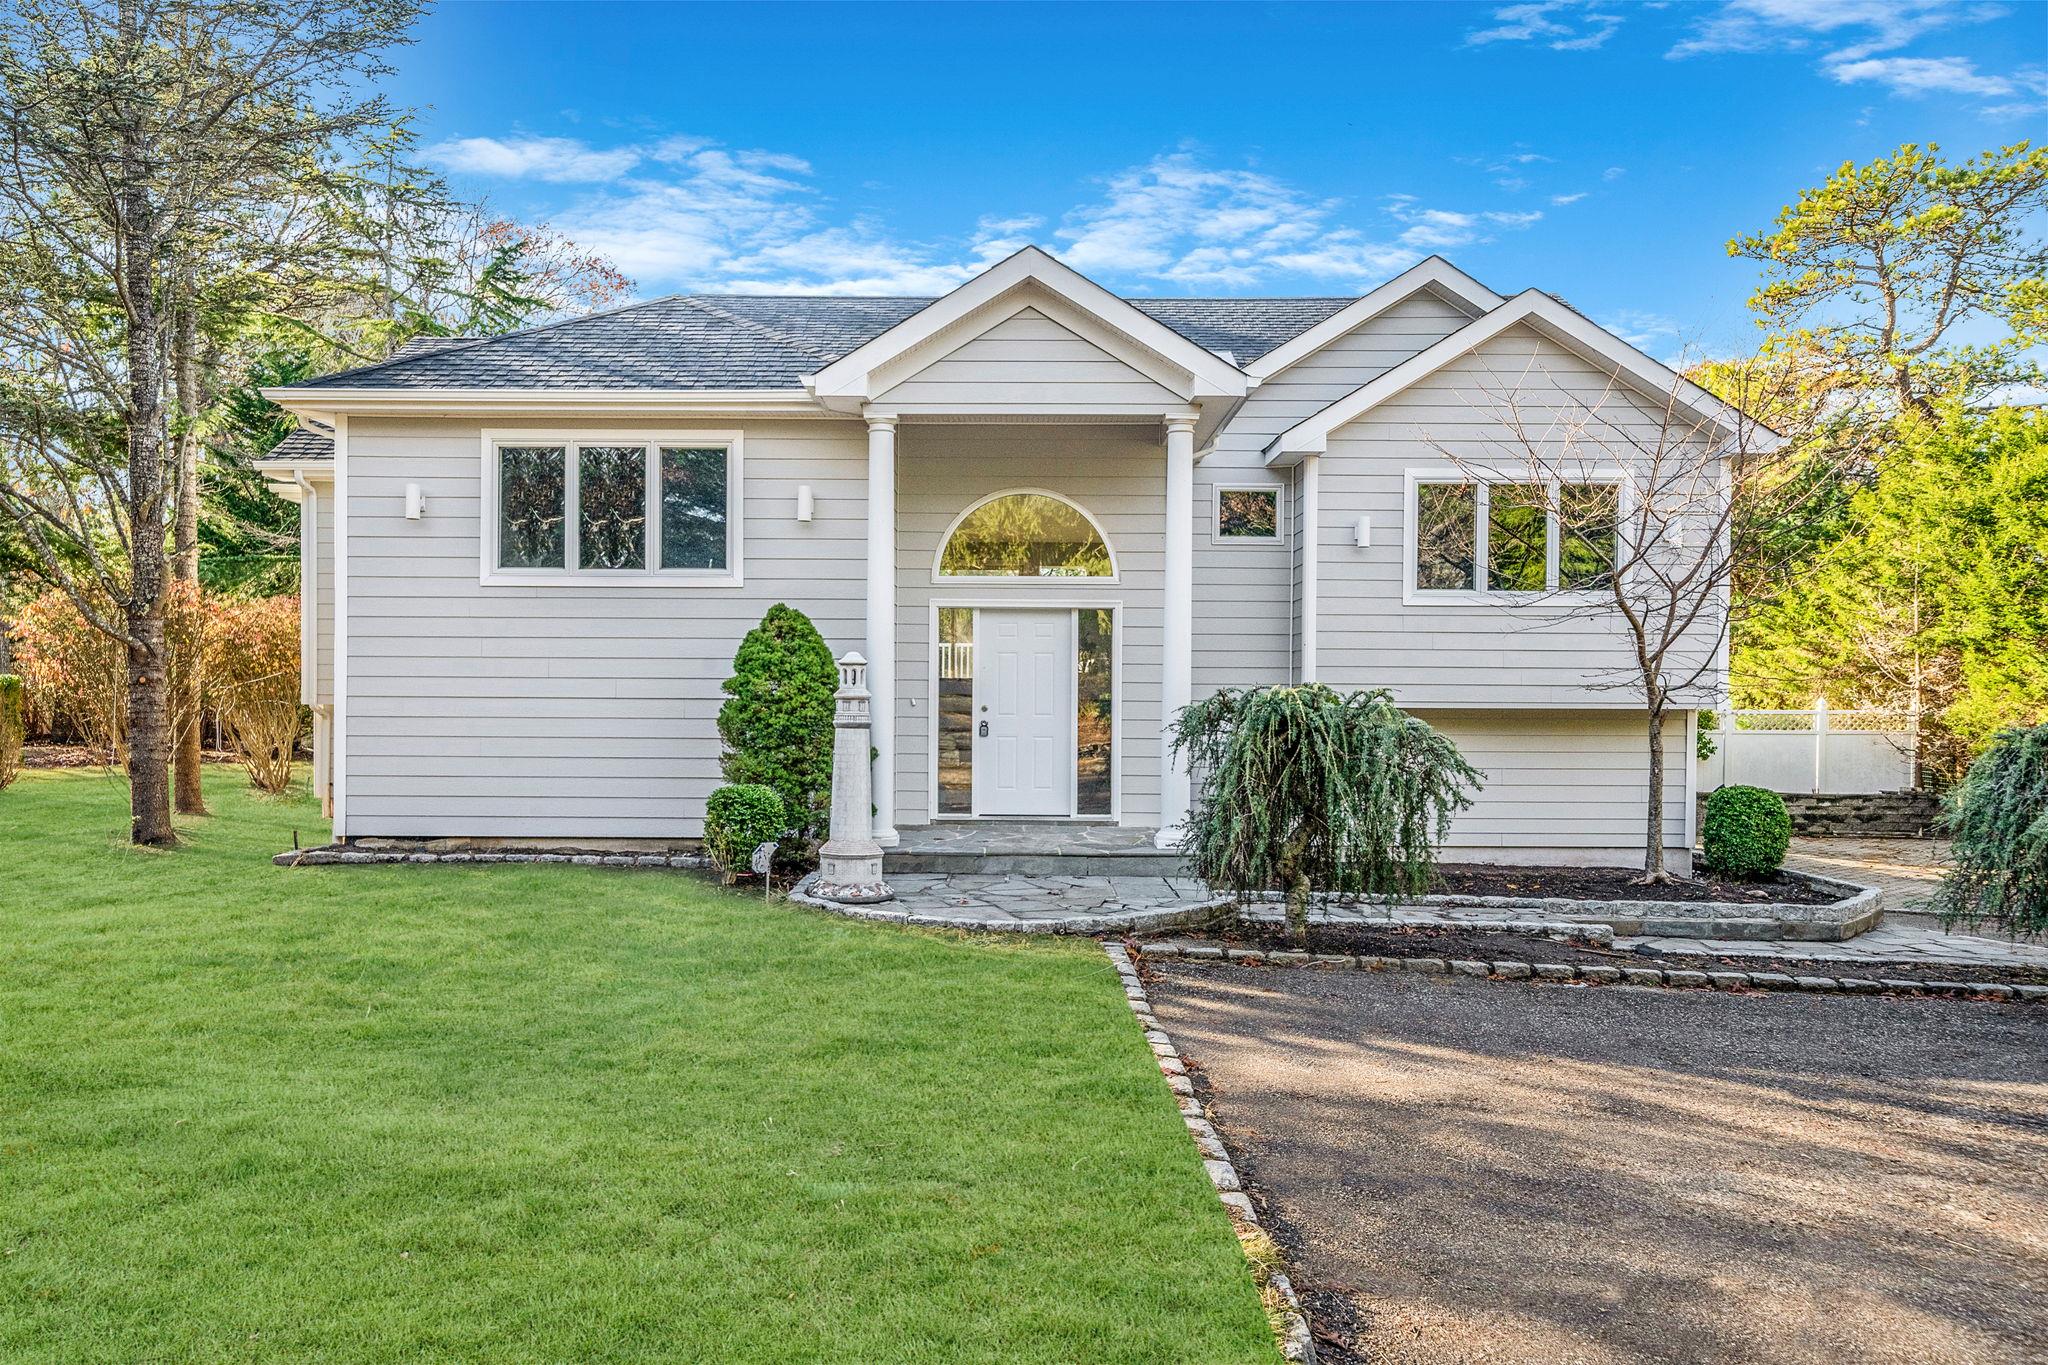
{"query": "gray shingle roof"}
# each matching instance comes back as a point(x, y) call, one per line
point(300, 445)
point(751, 341)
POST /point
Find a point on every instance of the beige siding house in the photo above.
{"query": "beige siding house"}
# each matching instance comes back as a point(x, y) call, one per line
point(1046, 515)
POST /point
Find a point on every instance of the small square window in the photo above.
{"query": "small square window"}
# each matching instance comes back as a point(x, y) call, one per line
point(1248, 513)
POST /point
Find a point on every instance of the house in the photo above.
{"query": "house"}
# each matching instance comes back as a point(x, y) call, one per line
point(1047, 515)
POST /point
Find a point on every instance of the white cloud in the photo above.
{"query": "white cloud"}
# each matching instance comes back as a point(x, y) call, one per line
point(533, 158)
point(1563, 25)
point(1640, 329)
point(687, 213)
point(1922, 76)
point(1562, 199)
point(1855, 33)
point(1614, 173)
point(1868, 26)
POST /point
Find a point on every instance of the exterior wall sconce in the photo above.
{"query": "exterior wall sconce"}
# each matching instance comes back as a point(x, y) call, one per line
point(1364, 533)
point(415, 502)
point(805, 504)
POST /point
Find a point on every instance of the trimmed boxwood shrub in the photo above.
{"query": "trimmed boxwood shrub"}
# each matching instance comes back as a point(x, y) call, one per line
point(737, 820)
point(1746, 833)
point(1998, 818)
point(13, 727)
point(777, 718)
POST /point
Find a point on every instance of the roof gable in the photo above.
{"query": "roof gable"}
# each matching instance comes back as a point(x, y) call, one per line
point(985, 300)
point(1549, 318)
point(1436, 275)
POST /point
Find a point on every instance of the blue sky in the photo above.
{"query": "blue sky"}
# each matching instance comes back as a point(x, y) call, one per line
point(1605, 152)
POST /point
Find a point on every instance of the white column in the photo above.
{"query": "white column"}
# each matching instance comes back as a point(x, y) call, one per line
point(850, 863)
point(882, 618)
point(1311, 499)
point(1176, 665)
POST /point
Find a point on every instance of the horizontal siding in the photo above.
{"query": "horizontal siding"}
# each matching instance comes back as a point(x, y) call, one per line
point(1458, 653)
point(1118, 475)
point(1247, 609)
point(1029, 362)
point(564, 711)
point(1566, 784)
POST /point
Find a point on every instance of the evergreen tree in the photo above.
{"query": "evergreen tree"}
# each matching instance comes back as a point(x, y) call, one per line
point(777, 718)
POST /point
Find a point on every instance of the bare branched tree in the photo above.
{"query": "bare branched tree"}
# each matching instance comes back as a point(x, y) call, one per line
point(1617, 509)
point(135, 135)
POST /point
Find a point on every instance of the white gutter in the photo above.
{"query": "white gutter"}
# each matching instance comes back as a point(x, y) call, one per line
point(305, 401)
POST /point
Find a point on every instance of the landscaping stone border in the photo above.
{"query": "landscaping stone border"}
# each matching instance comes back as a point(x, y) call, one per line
point(1859, 908)
point(1593, 974)
point(326, 855)
point(1297, 1343)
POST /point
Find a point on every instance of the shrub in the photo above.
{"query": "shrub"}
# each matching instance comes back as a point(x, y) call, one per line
point(252, 660)
point(1746, 833)
point(78, 674)
point(737, 820)
point(777, 718)
point(1304, 788)
point(13, 727)
point(1998, 818)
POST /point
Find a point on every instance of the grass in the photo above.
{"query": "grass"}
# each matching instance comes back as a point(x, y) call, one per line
point(561, 1114)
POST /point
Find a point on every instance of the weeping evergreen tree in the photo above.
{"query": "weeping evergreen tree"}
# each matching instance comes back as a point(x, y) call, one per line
point(1304, 789)
point(1998, 818)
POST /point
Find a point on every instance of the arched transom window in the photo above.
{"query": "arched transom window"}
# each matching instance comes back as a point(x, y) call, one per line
point(1025, 535)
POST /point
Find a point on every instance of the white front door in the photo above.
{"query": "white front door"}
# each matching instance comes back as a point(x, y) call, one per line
point(1023, 712)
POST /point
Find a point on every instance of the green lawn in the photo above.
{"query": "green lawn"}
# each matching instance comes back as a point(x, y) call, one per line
point(561, 1114)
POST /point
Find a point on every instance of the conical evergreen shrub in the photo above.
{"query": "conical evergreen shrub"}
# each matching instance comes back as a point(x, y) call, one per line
point(777, 718)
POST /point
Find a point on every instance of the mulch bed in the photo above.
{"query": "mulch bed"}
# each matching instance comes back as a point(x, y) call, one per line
point(1486, 945)
point(1617, 884)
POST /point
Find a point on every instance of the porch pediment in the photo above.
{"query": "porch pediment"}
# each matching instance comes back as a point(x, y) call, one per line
point(1032, 337)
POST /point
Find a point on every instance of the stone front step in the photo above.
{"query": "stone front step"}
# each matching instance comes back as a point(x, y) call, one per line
point(1030, 848)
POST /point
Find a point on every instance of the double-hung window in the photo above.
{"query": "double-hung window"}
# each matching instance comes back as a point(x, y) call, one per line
point(634, 510)
point(1476, 537)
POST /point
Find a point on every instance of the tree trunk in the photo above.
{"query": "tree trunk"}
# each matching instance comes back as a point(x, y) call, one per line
point(149, 731)
point(1653, 814)
point(140, 238)
point(187, 797)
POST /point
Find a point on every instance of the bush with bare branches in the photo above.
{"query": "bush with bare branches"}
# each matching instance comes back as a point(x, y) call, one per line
point(252, 654)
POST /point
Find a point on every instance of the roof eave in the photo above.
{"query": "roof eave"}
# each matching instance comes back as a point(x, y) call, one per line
point(397, 402)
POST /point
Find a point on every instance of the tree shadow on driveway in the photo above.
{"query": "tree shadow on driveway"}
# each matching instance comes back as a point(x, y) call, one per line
point(1501, 1171)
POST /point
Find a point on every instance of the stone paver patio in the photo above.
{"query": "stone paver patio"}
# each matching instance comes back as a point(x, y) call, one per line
point(1906, 870)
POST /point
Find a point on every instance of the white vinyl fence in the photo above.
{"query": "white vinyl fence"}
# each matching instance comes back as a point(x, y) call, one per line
point(1813, 751)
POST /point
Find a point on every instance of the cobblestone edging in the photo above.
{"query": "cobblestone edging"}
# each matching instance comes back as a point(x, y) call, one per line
point(332, 855)
point(1133, 921)
point(1297, 1343)
point(1857, 908)
point(1601, 975)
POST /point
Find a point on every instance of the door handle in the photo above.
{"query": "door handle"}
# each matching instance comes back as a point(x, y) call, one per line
point(983, 732)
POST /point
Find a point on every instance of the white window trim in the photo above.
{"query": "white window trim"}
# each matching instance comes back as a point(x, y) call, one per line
point(1413, 596)
point(1006, 602)
point(989, 580)
point(732, 576)
point(1279, 536)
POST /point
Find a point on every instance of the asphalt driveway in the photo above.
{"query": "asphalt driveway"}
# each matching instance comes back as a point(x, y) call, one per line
point(1505, 1171)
